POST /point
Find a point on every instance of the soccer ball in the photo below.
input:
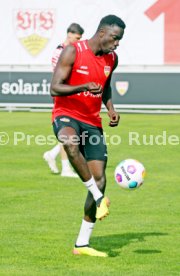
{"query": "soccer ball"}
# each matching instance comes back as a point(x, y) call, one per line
point(129, 174)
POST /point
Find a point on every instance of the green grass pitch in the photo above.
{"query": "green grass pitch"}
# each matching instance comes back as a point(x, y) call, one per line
point(40, 213)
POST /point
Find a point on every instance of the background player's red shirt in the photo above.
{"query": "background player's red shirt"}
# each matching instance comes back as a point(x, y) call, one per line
point(87, 67)
point(56, 55)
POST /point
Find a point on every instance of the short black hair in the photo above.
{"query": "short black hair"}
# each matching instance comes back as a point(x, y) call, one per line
point(111, 20)
point(75, 29)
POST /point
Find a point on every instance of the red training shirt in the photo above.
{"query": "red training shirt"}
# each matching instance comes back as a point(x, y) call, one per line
point(85, 106)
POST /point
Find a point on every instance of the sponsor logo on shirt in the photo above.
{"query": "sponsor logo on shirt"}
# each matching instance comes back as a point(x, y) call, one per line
point(83, 70)
point(83, 67)
point(89, 94)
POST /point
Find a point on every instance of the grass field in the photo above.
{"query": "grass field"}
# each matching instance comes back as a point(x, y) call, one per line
point(40, 213)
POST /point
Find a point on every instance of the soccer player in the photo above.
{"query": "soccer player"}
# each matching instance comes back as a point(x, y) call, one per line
point(81, 81)
point(74, 33)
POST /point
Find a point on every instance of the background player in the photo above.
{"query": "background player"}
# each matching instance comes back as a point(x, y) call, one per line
point(74, 33)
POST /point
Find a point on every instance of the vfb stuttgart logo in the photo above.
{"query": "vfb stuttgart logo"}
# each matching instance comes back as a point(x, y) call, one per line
point(122, 87)
point(34, 28)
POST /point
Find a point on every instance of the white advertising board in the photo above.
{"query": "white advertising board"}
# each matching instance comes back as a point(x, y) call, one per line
point(31, 29)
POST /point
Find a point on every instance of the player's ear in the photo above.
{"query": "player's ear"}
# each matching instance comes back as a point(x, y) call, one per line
point(101, 32)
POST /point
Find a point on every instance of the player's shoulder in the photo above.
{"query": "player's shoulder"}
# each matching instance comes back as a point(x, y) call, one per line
point(81, 45)
point(113, 55)
point(113, 59)
point(68, 54)
point(70, 49)
point(79, 42)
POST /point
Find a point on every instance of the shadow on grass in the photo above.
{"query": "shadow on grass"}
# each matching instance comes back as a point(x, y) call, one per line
point(112, 243)
point(147, 251)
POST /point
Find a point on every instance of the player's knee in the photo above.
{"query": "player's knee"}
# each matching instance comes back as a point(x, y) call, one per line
point(72, 151)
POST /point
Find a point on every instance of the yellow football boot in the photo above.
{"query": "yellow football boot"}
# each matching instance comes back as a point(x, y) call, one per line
point(102, 210)
point(88, 251)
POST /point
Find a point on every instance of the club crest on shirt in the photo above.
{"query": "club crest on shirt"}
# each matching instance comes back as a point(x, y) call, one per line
point(107, 70)
point(34, 28)
point(122, 87)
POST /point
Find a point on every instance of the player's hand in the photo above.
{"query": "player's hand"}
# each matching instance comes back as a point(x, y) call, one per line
point(114, 118)
point(94, 88)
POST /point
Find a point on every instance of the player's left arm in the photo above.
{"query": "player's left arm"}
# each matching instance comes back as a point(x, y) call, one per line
point(107, 100)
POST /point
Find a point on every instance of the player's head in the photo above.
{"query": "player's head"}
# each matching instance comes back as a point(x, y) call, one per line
point(110, 31)
point(74, 33)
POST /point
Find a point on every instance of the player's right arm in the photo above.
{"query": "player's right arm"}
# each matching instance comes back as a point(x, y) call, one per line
point(62, 72)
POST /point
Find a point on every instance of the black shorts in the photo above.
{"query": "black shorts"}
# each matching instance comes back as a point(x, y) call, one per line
point(91, 139)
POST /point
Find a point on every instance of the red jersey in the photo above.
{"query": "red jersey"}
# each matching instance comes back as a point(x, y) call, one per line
point(56, 55)
point(85, 106)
